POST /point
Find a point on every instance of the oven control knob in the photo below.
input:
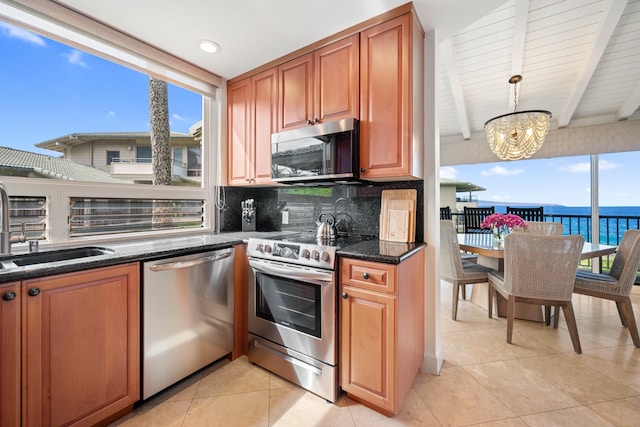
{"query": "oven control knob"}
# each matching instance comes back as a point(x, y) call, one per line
point(305, 253)
point(259, 247)
point(267, 248)
point(325, 256)
point(315, 255)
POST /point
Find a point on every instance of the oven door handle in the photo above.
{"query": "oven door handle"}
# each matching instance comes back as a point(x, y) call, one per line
point(292, 272)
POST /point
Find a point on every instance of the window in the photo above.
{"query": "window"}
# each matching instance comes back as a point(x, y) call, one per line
point(143, 154)
point(194, 162)
point(88, 109)
point(28, 218)
point(69, 148)
point(178, 156)
point(111, 155)
point(91, 216)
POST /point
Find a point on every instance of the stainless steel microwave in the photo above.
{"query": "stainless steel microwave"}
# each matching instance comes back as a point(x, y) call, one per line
point(321, 153)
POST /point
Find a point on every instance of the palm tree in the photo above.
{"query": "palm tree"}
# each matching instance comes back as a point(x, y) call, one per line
point(160, 131)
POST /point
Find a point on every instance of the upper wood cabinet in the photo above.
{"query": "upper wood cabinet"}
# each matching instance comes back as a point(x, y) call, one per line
point(392, 99)
point(320, 86)
point(252, 118)
point(10, 354)
point(80, 346)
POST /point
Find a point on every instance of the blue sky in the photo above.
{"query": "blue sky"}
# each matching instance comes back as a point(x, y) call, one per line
point(49, 90)
point(563, 181)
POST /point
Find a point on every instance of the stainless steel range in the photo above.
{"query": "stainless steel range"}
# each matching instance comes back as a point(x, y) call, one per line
point(292, 310)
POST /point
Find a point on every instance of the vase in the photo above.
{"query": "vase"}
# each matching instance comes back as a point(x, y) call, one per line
point(499, 233)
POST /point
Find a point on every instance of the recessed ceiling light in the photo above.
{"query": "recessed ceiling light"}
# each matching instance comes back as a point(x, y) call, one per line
point(209, 46)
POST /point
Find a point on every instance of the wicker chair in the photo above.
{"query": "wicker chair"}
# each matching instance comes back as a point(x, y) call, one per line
point(538, 270)
point(528, 214)
point(616, 286)
point(545, 228)
point(453, 269)
point(473, 217)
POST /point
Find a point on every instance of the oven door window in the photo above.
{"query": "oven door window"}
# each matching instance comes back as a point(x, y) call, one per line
point(291, 303)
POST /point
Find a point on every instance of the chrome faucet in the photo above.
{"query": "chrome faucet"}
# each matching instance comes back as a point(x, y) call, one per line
point(5, 234)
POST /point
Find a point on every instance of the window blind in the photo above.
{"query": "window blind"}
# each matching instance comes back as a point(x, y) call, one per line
point(30, 211)
point(93, 216)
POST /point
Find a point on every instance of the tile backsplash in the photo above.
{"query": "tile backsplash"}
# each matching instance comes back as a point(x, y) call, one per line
point(356, 207)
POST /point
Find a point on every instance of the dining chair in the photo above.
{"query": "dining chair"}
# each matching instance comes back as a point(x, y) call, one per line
point(445, 212)
point(544, 228)
point(616, 285)
point(540, 270)
point(453, 269)
point(528, 214)
point(473, 217)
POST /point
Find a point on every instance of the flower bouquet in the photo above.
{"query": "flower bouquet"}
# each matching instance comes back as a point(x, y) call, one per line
point(502, 224)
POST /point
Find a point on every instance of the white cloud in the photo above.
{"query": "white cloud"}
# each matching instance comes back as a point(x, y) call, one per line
point(179, 117)
point(577, 168)
point(605, 165)
point(585, 167)
point(448, 172)
point(14, 32)
point(500, 198)
point(75, 57)
point(502, 171)
point(111, 114)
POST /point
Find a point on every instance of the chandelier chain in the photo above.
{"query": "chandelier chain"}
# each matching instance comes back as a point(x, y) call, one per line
point(515, 97)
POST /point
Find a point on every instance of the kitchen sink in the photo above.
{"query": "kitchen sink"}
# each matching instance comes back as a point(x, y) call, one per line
point(52, 256)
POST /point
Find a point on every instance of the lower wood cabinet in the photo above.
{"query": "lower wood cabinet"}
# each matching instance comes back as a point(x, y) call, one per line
point(10, 354)
point(80, 358)
point(381, 330)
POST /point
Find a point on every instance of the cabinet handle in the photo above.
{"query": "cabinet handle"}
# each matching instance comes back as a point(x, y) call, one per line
point(362, 170)
point(365, 276)
point(309, 122)
point(8, 296)
point(316, 120)
point(345, 295)
point(34, 292)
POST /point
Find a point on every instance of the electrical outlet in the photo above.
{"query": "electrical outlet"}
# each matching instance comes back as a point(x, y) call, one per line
point(285, 217)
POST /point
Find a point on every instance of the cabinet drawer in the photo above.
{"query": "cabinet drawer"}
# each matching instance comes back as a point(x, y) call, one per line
point(368, 275)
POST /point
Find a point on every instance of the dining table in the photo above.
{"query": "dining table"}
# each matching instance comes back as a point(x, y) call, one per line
point(491, 254)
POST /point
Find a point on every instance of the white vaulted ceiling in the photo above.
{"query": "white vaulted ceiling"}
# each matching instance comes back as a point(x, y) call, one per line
point(580, 59)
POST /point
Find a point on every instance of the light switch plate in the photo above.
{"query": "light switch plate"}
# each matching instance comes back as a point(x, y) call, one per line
point(285, 217)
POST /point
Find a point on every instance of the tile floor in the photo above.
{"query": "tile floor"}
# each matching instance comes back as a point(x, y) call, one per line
point(536, 381)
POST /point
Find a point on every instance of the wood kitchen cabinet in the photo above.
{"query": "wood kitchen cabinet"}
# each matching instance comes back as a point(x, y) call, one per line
point(252, 117)
point(381, 330)
point(10, 354)
point(80, 346)
point(392, 94)
point(320, 86)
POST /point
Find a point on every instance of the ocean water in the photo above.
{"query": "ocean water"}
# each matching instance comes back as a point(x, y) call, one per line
point(611, 229)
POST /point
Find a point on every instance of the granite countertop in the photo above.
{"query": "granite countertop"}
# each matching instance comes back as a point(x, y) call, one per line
point(380, 251)
point(131, 251)
point(164, 247)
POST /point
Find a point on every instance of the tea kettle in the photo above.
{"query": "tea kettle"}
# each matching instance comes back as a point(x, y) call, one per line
point(326, 228)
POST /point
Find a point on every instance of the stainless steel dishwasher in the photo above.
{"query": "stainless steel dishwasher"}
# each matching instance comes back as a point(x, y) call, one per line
point(187, 316)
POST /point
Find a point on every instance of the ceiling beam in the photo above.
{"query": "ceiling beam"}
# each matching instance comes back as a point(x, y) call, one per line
point(446, 48)
point(630, 105)
point(612, 15)
point(519, 37)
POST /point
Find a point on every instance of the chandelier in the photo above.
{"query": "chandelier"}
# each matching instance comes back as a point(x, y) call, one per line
point(517, 135)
